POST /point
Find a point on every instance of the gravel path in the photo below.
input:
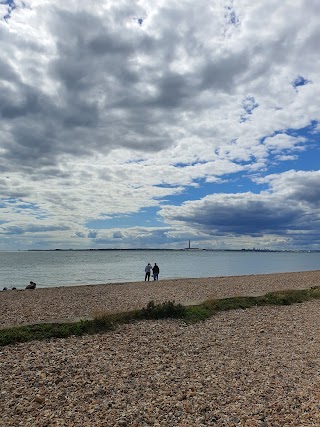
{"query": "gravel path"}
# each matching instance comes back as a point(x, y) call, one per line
point(258, 367)
point(74, 302)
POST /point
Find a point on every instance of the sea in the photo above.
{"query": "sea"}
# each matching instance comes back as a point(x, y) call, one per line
point(70, 268)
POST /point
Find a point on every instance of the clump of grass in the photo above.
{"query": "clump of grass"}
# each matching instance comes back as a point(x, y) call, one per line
point(196, 313)
point(43, 331)
point(168, 309)
point(107, 321)
point(226, 304)
point(289, 297)
point(314, 292)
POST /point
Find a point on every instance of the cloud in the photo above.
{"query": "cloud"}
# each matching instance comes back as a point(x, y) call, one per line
point(79, 234)
point(140, 237)
point(109, 109)
point(12, 230)
point(289, 209)
point(296, 187)
point(75, 103)
point(92, 234)
point(117, 235)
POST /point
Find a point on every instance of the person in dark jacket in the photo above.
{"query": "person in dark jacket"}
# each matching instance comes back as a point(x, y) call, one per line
point(31, 285)
point(155, 271)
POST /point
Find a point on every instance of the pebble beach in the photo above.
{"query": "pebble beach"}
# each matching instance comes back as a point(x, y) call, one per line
point(254, 367)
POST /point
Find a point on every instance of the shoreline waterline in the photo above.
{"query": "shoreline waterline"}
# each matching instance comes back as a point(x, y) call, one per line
point(52, 269)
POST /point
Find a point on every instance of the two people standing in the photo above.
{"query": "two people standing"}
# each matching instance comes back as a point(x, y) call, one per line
point(155, 271)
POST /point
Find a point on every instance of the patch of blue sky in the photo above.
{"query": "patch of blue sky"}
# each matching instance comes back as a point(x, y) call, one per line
point(183, 165)
point(146, 217)
point(300, 81)
point(307, 131)
point(140, 19)
point(8, 2)
point(231, 16)
point(11, 6)
point(20, 207)
point(25, 206)
point(241, 183)
point(305, 158)
point(249, 104)
point(310, 132)
point(232, 184)
point(10, 201)
point(42, 215)
point(136, 160)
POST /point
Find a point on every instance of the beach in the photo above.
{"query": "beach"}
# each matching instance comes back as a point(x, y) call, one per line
point(69, 303)
point(256, 367)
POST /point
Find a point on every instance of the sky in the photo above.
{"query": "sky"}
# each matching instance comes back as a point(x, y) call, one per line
point(146, 124)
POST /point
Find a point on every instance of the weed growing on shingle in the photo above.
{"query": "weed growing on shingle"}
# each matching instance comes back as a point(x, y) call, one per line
point(103, 322)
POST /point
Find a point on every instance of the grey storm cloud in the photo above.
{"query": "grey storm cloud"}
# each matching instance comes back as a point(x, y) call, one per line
point(79, 234)
point(92, 234)
point(295, 186)
point(239, 215)
point(290, 208)
point(306, 191)
point(117, 235)
point(86, 90)
point(221, 75)
point(14, 230)
point(140, 237)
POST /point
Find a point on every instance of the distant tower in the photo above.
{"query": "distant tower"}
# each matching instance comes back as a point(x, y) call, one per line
point(189, 244)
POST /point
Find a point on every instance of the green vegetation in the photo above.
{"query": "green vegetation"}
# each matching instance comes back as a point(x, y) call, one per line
point(193, 313)
point(164, 310)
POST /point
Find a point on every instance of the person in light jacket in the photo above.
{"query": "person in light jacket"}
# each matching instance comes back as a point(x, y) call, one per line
point(147, 271)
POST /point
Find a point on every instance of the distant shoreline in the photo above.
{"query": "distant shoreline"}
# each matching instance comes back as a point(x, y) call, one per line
point(169, 249)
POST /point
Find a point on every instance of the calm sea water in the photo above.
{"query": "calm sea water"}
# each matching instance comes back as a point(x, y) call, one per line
point(68, 268)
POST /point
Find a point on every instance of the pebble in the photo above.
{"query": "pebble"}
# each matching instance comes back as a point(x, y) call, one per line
point(220, 372)
point(81, 302)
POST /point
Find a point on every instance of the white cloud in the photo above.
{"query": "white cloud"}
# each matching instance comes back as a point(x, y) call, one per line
point(107, 108)
point(288, 209)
